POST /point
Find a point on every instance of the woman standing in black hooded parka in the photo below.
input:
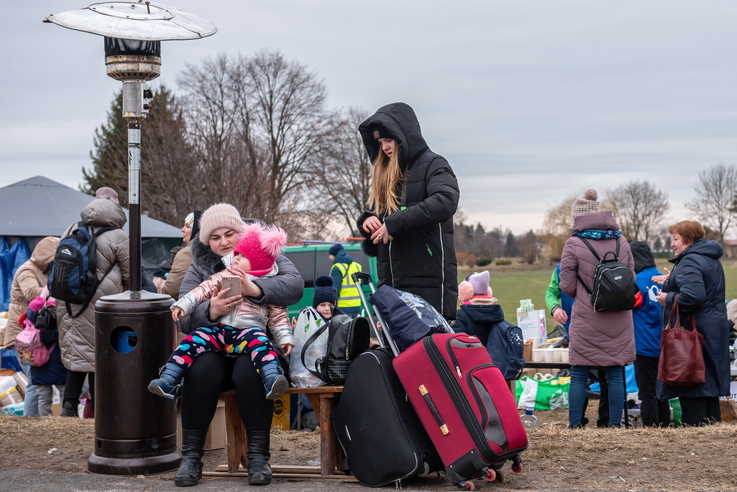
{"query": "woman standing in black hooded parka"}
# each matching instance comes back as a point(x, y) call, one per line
point(409, 223)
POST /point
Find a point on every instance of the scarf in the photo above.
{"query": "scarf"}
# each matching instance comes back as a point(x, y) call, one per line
point(597, 234)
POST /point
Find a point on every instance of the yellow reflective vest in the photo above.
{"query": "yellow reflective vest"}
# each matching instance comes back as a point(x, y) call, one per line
point(349, 297)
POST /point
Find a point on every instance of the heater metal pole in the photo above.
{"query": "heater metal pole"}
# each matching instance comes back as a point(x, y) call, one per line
point(134, 204)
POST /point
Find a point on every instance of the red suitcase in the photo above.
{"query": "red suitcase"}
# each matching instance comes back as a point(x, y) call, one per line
point(465, 405)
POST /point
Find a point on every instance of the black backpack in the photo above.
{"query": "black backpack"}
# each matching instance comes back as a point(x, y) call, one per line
point(347, 339)
point(73, 277)
point(614, 286)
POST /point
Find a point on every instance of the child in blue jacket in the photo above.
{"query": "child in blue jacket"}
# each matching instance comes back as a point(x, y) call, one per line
point(647, 320)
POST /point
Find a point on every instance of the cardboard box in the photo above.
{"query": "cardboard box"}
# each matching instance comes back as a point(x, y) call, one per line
point(215, 434)
point(56, 403)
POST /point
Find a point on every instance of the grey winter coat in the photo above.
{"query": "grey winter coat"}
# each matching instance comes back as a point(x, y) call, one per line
point(77, 335)
point(698, 280)
point(597, 339)
point(284, 289)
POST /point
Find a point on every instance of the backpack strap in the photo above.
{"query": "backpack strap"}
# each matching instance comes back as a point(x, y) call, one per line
point(596, 255)
point(309, 342)
point(591, 248)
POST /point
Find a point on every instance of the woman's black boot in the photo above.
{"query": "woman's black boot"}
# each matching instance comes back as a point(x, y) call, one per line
point(193, 447)
point(259, 470)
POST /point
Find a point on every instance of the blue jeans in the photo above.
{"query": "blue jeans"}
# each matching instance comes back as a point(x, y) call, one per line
point(577, 395)
point(30, 400)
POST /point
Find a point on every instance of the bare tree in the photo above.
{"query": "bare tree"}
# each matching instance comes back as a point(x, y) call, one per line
point(715, 195)
point(640, 209)
point(557, 227)
point(287, 104)
point(343, 180)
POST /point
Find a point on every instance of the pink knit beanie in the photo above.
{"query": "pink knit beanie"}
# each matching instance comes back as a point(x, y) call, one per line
point(261, 245)
point(586, 204)
point(217, 216)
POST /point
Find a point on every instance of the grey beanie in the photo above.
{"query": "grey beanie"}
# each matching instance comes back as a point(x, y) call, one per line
point(586, 204)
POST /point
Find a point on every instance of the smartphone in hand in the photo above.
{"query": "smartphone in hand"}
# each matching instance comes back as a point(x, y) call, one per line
point(232, 283)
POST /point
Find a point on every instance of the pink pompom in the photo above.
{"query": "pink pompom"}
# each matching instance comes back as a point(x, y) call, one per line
point(465, 291)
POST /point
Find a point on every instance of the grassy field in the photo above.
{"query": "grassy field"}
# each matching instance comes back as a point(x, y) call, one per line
point(515, 282)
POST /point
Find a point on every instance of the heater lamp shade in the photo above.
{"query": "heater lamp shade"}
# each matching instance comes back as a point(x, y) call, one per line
point(143, 21)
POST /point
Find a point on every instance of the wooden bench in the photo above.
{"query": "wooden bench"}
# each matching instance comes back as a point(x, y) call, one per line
point(323, 400)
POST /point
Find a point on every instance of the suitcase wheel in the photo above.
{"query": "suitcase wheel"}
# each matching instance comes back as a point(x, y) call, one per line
point(489, 474)
point(517, 467)
point(467, 485)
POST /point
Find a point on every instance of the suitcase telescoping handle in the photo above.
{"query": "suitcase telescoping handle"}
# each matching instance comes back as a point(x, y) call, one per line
point(360, 278)
point(434, 410)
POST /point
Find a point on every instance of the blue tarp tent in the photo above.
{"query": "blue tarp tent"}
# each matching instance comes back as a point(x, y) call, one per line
point(38, 207)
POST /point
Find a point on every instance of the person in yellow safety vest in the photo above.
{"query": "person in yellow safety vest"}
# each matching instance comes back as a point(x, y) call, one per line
point(343, 267)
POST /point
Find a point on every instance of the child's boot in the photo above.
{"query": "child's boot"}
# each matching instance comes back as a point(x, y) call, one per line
point(274, 382)
point(169, 382)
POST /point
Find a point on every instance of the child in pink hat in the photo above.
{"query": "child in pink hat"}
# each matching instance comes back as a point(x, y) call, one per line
point(243, 330)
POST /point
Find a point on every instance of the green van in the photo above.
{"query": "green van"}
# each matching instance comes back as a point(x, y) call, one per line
point(311, 259)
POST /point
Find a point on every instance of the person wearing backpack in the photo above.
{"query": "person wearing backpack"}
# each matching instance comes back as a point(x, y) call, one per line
point(77, 330)
point(597, 338)
point(480, 315)
point(41, 314)
point(29, 282)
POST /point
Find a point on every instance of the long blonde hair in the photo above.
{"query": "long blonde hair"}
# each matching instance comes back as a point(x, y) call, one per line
point(385, 180)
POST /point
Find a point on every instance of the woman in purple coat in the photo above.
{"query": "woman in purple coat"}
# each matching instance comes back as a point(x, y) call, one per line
point(603, 339)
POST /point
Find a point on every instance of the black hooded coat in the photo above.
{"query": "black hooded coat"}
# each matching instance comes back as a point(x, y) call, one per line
point(698, 280)
point(421, 258)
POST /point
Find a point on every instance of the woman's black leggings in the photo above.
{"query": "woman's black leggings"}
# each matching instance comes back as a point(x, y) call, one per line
point(212, 373)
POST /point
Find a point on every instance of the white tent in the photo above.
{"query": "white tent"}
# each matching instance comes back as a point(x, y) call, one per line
point(38, 207)
point(41, 207)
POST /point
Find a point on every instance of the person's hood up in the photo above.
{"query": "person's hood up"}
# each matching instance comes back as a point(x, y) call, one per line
point(103, 212)
point(397, 121)
point(642, 255)
point(701, 246)
point(343, 257)
point(44, 252)
point(484, 314)
point(600, 220)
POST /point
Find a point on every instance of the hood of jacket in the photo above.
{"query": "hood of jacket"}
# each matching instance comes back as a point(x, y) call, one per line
point(701, 246)
point(484, 314)
point(205, 258)
point(599, 220)
point(343, 257)
point(103, 212)
point(399, 122)
point(44, 252)
point(642, 255)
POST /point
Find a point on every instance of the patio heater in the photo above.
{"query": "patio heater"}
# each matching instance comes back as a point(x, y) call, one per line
point(135, 431)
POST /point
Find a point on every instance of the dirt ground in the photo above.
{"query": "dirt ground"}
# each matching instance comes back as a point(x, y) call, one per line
point(557, 458)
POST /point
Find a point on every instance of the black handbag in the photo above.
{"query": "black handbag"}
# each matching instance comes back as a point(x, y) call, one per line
point(347, 339)
point(46, 318)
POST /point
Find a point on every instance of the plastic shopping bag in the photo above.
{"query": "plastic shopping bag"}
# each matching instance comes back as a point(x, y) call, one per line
point(307, 324)
point(542, 394)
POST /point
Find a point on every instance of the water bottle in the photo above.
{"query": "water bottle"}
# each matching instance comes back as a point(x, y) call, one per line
point(529, 420)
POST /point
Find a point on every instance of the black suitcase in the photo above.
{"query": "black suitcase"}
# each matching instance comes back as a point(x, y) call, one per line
point(382, 437)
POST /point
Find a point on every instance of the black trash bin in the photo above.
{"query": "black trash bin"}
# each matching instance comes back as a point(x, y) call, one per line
point(135, 430)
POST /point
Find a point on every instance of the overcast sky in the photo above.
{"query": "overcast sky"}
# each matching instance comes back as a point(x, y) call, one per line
point(530, 101)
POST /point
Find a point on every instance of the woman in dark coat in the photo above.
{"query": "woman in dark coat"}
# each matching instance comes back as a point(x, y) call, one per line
point(409, 224)
point(698, 281)
point(597, 339)
point(212, 373)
